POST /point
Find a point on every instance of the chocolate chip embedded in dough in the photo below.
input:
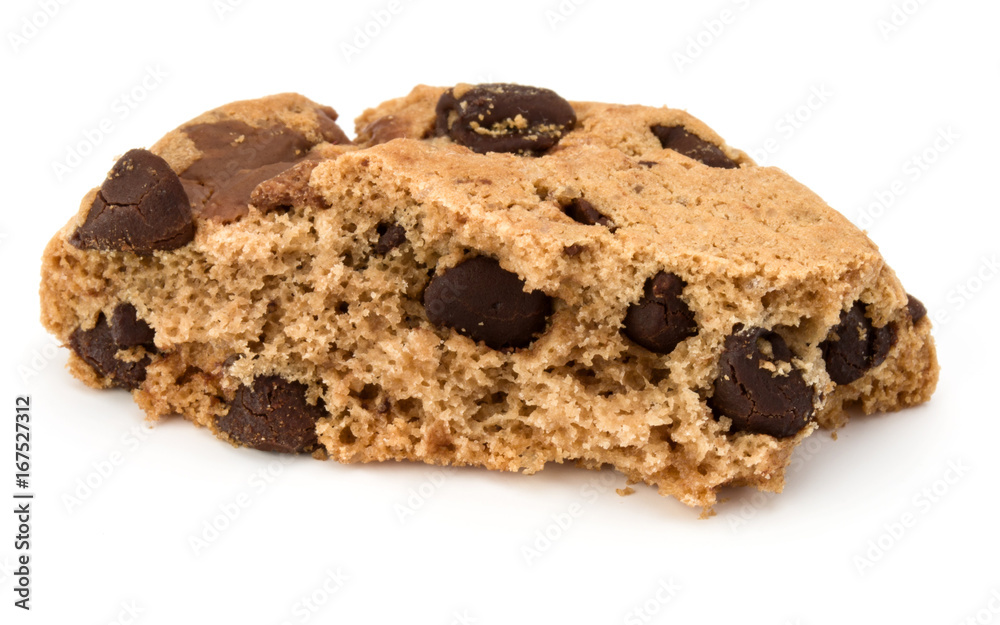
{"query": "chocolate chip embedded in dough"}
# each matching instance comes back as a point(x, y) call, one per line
point(272, 415)
point(915, 308)
point(288, 189)
point(678, 139)
point(500, 117)
point(128, 330)
point(759, 388)
point(582, 211)
point(231, 200)
point(97, 347)
point(235, 158)
point(854, 346)
point(483, 301)
point(390, 236)
point(660, 320)
point(141, 207)
point(326, 118)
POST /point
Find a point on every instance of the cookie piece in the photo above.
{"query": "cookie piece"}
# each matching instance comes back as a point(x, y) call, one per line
point(620, 289)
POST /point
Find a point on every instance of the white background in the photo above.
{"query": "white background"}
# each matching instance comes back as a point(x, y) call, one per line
point(461, 555)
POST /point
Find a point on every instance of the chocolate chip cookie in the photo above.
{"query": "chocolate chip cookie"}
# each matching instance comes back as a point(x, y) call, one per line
point(487, 275)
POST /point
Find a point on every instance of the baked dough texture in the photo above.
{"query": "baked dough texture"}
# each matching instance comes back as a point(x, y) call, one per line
point(619, 288)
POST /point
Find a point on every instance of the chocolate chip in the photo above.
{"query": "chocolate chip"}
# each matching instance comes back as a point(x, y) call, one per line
point(98, 348)
point(272, 415)
point(649, 164)
point(582, 211)
point(385, 129)
point(390, 236)
point(573, 250)
point(127, 330)
point(660, 319)
point(854, 345)
point(236, 157)
point(140, 208)
point(326, 118)
point(487, 303)
point(287, 189)
point(916, 308)
point(758, 386)
point(500, 117)
point(230, 200)
point(692, 146)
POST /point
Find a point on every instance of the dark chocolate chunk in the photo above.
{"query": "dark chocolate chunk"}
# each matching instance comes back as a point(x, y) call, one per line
point(854, 345)
point(390, 236)
point(127, 330)
point(756, 388)
point(231, 146)
point(660, 319)
point(385, 129)
point(326, 118)
point(499, 117)
point(287, 189)
point(236, 157)
point(140, 208)
point(272, 415)
point(573, 250)
point(97, 347)
point(230, 200)
point(692, 146)
point(487, 303)
point(916, 308)
point(582, 211)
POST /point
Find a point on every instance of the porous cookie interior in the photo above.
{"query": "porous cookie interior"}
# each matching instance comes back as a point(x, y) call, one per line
point(590, 295)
